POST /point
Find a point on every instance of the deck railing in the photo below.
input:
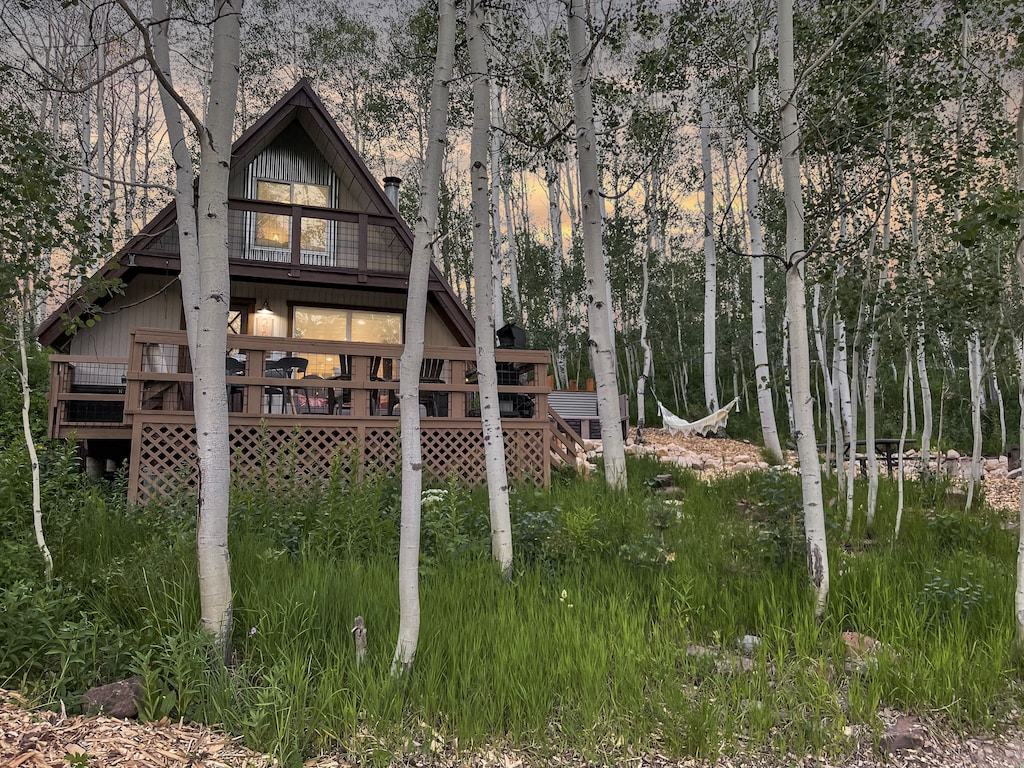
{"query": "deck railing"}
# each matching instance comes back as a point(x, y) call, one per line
point(286, 380)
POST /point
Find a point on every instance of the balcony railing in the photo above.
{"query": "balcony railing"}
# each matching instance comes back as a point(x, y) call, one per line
point(295, 236)
point(287, 380)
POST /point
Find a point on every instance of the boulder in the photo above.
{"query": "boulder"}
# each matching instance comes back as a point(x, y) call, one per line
point(906, 733)
point(118, 699)
point(952, 455)
point(748, 644)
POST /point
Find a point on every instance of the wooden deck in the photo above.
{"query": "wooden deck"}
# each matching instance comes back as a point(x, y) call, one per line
point(341, 408)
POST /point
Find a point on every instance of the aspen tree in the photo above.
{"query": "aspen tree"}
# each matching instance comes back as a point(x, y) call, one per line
point(762, 371)
point(205, 285)
point(796, 301)
point(599, 310)
point(412, 355)
point(487, 377)
point(710, 264)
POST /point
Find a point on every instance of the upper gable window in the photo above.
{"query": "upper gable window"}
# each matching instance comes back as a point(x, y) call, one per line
point(275, 230)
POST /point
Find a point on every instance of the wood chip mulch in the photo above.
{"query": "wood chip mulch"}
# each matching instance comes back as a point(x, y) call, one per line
point(43, 739)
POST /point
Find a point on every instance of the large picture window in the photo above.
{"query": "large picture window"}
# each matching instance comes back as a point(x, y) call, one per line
point(274, 230)
point(335, 324)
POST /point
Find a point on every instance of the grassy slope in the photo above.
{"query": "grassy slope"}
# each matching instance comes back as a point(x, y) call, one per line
point(587, 648)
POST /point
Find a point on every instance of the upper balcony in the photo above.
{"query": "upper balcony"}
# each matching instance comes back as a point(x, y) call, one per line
point(294, 237)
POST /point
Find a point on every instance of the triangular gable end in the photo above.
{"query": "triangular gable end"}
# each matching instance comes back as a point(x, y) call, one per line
point(298, 120)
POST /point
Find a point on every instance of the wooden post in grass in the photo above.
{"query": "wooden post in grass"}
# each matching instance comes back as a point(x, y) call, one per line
point(359, 635)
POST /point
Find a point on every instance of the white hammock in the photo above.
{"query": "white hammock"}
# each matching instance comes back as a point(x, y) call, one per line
point(708, 424)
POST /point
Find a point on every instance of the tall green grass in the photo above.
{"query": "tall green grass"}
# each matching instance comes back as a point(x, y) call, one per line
point(618, 630)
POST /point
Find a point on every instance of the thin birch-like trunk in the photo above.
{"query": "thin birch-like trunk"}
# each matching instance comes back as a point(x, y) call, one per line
point(30, 442)
point(206, 291)
point(907, 365)
point(787, 377)
point(710, 264)
point(796, 300)
point(997, 395)
point(495, 206)
point(1018, 596)
point(557, 262)
point(651, 204)
point(487, 376)
point(826, 376)
point(870, 387)
point(974, 371)
point(512, 253)
point(762, 371)
point(599, 310)
point(412, 354)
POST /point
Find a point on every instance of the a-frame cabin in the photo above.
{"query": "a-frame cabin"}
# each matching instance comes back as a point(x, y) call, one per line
point(319, 259)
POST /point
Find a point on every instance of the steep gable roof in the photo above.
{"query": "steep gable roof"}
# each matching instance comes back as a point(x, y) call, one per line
point(155, 247)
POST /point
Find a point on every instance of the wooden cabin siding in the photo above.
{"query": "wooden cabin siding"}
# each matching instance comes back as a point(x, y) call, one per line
point(294, 156)
point(111, 335)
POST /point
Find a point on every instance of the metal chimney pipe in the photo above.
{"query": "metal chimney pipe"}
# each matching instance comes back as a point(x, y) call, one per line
point(391, 185)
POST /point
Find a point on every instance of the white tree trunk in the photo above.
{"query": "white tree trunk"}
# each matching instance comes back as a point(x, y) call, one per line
point(602, 340)
point(824, 367)
point(762, 371)
point(974, 371)
point(487, 377)
point(851, 439)
point(919, 343)
point(206, 293)
point(512, 253)
point(495, 207)
point(787, 377)
point(907, 366)
point(1018, 597)
point(841, 377)
point(30, 443)
point(870, 386)
point(710, 264)
point(796, 300)
point(412, 354)
point(653, 236)
point(557, 261)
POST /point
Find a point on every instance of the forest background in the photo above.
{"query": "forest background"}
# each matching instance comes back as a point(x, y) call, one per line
point(907, 111)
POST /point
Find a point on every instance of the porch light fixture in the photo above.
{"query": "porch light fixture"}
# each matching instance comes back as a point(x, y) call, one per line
point(265, 309)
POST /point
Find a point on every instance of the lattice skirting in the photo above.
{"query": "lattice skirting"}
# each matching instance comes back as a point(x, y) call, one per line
point(164, 453)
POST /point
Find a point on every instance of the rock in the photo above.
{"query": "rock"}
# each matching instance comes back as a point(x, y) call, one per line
point(118, 699)
point(906, 733)
point(955, 497)
point(1014, 473)
point(748, 644)
point(952, 455)
point(859, 645)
